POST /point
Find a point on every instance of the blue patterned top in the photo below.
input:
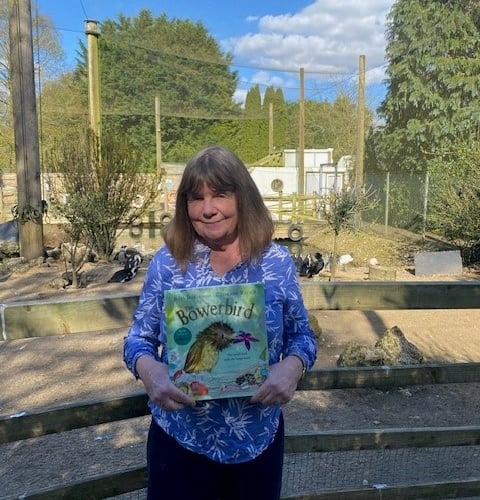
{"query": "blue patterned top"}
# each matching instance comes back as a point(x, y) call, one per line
point(225, 430)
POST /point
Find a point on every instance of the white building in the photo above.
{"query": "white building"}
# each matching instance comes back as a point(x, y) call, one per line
point(321, 174)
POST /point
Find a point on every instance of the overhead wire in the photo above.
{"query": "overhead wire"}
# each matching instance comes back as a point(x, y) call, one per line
point(313, 92)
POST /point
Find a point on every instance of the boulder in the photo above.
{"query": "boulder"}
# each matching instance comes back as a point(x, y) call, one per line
point(9, 239)
point(392, 349)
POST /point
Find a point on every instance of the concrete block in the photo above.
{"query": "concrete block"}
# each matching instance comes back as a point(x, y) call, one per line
point(380, 273)
point(448, 263)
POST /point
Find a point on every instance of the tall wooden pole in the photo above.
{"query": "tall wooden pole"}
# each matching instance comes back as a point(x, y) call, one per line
point(158, 136)
point(359, 157)
point(25, 123)
point(92, 32)
point(301, 137)
point(270, 128)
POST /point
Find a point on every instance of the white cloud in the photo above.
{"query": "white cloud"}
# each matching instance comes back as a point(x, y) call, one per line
point(325, 37)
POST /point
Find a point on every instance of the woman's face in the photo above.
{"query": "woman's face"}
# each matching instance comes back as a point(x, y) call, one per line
point(214, 216)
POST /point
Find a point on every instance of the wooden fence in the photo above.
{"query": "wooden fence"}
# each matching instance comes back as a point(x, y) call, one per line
point(346, 296)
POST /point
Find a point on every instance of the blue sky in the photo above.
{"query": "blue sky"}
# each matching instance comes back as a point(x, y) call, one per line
point(270, 39)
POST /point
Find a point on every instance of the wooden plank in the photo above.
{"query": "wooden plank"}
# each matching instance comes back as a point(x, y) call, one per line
point(134, 479)
point(108, 485)
point(395, 438)
point(438, 490)
point(57, 317)
point(391, 295)
point(71, 416)
point(390, 376)
point(134, 405)
point(54, 317)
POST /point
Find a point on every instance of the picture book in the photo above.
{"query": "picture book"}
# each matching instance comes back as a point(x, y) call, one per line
point(217, 339)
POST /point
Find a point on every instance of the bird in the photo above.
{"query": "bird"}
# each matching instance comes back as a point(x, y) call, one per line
point(203, 354)
point(132, 264)
point(316, 265)
point(305, 265)
point(373, 262)
point(311, 266)
point(121, 255)
point(298, 260)
point(345, 259)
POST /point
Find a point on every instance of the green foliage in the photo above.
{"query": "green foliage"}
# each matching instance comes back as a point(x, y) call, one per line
point(47, 54)
point(433, 86)
point(177, 60)
point(253, 130)
point(454, 202)
point(405, 194)
point(327, 125)
point(104, 183)
point(340, 209)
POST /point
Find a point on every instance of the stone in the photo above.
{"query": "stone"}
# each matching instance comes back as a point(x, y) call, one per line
point(380, 273)
point(446, 263)
point(392, 349)
point(354, 354)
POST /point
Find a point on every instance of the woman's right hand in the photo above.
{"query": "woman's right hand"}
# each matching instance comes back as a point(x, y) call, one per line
point(159, 387)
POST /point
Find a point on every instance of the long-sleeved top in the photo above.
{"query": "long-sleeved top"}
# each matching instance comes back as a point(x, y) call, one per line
point(226, 430)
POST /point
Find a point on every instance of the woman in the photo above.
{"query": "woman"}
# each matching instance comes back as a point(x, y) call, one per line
point(221, 234)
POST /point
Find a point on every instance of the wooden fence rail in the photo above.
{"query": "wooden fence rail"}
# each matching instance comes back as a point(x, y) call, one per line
point(348, 296)
point(53, 317)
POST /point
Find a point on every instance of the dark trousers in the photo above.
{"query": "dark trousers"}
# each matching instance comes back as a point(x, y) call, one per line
point(175, 473)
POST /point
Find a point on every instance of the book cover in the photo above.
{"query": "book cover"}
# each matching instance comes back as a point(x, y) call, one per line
point(217, 340)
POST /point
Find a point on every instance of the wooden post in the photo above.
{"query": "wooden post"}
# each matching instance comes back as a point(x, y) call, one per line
point(301, 137)
point(360, 149)
point(270, 128)
point(25, 123)
point(158, 136)
point(91, 30)
point(359, 160)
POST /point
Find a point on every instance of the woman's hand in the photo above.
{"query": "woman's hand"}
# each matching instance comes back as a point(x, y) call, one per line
point(158, 385)
point(281, 383)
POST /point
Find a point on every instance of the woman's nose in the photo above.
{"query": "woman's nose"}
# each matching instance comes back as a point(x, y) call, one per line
point(208, 208)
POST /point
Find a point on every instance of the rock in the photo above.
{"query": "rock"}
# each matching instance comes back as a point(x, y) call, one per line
point(391, 349)
point(354, 354)
point(315, 325)
point(72, 252)
point(58, 283)
point(9, 249)
point(9, 242)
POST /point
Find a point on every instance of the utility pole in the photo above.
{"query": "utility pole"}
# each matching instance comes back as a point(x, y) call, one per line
point(301, 137)
point(270, 128)
point(360, 153)
point(25, 123)
point(158, 136)
point(92, 32)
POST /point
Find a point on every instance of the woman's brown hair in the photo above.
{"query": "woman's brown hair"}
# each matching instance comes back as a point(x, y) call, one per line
point(221, 170)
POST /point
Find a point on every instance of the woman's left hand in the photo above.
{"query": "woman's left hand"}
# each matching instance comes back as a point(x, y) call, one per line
point(281, 383)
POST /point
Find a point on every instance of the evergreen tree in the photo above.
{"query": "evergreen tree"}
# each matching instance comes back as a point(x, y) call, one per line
point(433, 85)
point(275, 97)
point(254, 128)
point(144, 57)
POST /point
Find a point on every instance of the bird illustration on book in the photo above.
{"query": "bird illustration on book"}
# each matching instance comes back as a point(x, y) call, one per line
point(204, 352)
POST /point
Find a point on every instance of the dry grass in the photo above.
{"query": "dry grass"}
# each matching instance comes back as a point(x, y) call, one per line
point(397, 250)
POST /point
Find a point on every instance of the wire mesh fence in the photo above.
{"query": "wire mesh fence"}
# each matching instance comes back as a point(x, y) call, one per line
point(316, 473)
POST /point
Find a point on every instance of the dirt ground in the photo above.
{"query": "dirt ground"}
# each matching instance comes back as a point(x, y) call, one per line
point(52, 371)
